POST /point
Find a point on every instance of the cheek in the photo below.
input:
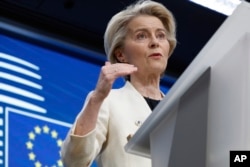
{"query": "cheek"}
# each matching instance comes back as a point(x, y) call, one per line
point(133, 53)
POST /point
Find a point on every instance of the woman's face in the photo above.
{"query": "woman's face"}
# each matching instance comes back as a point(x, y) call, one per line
point(146, 45)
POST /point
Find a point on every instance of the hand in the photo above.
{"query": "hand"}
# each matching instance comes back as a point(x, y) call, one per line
point(109, 73)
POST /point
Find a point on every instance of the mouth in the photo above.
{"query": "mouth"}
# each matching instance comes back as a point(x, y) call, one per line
point(155, 55)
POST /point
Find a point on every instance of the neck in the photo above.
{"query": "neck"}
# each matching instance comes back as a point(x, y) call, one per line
point(147, 86)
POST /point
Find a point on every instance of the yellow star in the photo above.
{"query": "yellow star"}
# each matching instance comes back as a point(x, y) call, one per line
point(37, 130)
point(54, 134)
point(59, 163)
point(32, 156)
point(45, 129)
point(29, 145)
point(32, 136)
point(38, 164)
point(59, 142)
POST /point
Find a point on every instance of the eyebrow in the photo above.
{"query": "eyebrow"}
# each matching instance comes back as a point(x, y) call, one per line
point(145, 29)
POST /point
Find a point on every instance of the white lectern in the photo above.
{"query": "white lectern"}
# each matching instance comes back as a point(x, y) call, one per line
point(206, 113)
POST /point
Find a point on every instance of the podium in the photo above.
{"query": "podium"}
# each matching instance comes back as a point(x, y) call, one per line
point(205, 114)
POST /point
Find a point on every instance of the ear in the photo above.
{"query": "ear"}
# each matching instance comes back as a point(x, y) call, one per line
point(120, 56)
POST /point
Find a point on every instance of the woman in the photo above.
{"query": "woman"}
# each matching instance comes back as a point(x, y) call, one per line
point(138, 41)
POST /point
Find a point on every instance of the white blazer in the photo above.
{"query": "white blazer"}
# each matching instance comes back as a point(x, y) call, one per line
point(121, 114)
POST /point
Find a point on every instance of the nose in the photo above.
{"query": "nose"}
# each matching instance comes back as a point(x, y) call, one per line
point(153, 42)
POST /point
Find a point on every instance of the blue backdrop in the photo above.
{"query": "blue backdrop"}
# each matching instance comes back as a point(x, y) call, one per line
point(42, 91)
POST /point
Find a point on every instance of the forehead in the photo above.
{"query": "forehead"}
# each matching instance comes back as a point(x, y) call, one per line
point(145, 22)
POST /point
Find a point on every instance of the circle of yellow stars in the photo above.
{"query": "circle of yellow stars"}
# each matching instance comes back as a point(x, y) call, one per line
point(32, 136)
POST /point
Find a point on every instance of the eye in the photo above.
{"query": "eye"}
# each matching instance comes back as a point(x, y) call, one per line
point(141, 36)
point(161, 35)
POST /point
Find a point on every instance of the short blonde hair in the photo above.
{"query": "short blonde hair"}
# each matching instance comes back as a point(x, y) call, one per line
point(117, 27)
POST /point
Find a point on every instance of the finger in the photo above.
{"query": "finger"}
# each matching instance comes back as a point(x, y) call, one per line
point(123, 69)
point(109, 73)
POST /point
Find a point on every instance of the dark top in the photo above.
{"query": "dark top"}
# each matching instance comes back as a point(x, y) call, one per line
point(152, 102)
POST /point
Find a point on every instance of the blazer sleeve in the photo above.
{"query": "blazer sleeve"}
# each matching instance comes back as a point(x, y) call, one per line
point(81, 151)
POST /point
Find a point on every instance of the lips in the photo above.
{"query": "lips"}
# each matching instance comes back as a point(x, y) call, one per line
point(155, 55)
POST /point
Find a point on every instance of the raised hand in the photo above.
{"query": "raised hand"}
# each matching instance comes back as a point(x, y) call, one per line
point(109, 73)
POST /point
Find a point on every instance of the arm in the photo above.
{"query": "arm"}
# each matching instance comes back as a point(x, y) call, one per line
point(87, 120)
point(75, 150)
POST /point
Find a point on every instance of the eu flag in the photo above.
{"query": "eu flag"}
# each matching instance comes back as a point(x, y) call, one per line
point(34, 140)
point(40, 90)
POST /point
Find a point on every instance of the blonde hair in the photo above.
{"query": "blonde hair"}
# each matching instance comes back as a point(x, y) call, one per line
point(117, 27)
